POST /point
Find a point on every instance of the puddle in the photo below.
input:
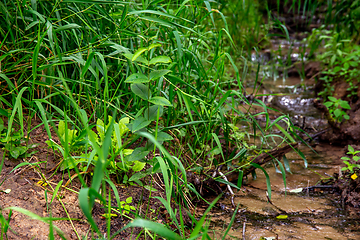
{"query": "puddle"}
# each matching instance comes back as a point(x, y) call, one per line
point(312, 215)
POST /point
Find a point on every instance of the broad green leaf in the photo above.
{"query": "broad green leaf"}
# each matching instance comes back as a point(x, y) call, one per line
point(138, 166)
point(138, 53)
point(160, 59)
point(161, 101)
point(15, 153)
point(345, 105)
point(158, 74)
point(332, 99)
point(141, 90)
point(137, 78)
point(154, 45)
point(137, 176)
point(138, 154)
point(337, 112)
point(129, 200)
point(151, 112)
point(123, 128)
point(328, 104)
point(61, 128)
point(351, 149)
point(138, 59)
point(162, 136)
point(127, 151)
point(139, 123)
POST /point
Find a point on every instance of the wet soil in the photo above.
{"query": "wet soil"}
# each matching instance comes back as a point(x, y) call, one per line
point(313, 214)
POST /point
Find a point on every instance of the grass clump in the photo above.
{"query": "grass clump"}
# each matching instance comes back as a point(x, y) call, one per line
point(120, 83)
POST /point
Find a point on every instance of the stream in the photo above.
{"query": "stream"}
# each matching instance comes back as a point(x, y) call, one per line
point(313, 214)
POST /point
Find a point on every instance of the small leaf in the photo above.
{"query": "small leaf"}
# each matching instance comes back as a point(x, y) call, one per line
point(162, 136)
point(351, 149)
point(137, 78)
point(161, 101)
point(15, 153)
point(141, 90)
point(139, 123)
point(332, 99)
point(127, 152)
point(151, 112)
point(123, 128)
point(147, 187)
point(61, 128)
point(345, 105)
point(328, 104)
point(138, 53)
point(154, 45)
point(158, 74)
point(138, 154)
point(160, 59)
point(128, 200)
point(337, 113)
point(138, 166)
point(282, 217)
point(137, 176)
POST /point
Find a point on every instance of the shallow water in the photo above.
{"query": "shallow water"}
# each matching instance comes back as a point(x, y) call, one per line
point(312, 215)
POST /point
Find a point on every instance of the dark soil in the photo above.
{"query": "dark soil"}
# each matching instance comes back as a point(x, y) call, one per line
point(28, 193)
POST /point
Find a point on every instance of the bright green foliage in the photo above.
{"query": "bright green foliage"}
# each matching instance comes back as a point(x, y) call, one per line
point(126, 205)
point(342, 59)
point(336, 108)
point(16, 144)
point(158, 65)
point(129, 158)
point(351, 163)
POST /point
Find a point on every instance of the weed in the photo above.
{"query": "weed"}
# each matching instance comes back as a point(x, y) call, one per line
point(336, 108)
point(351, 163)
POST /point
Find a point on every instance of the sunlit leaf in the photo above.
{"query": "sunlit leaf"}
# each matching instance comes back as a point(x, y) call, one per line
point(161, 101)
point(138, 166)
point(160, 59)
point(282, 217)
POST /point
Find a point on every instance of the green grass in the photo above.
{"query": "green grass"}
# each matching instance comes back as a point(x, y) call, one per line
point(114, 73)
